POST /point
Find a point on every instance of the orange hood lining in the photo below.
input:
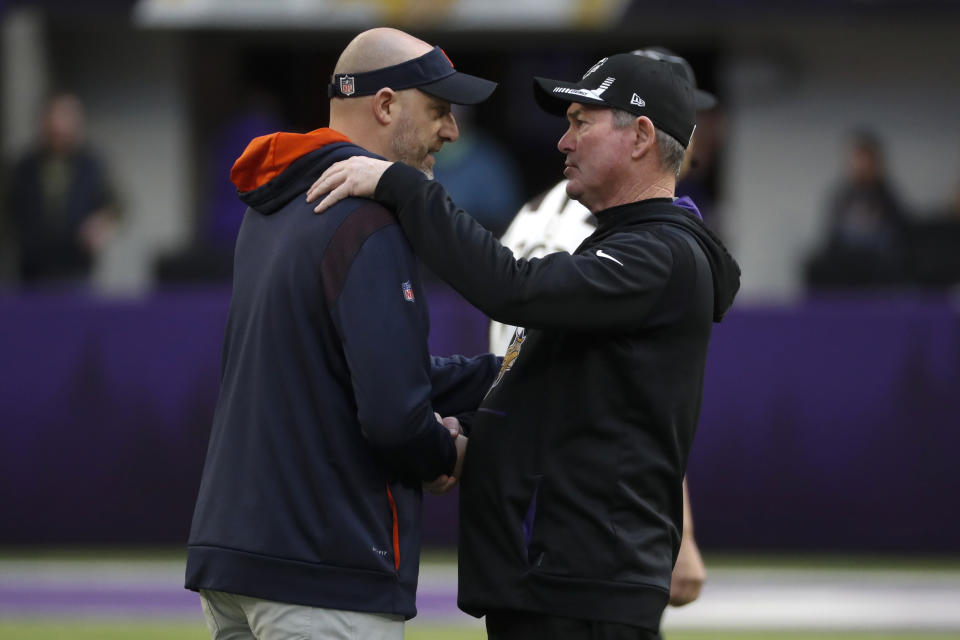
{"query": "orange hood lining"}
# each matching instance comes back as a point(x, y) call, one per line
point(267, 156)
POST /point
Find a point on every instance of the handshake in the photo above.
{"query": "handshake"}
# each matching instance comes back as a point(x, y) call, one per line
point(443, 483)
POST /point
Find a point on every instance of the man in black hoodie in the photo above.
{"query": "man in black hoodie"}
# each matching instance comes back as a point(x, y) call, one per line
point(571, 495)
point(307, 522)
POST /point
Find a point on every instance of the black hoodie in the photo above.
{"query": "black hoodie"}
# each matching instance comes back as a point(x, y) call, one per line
point(324, 426)
point(571, 495)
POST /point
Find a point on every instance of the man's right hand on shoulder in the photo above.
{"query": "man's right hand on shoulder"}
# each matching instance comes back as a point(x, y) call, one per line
point(356, 176)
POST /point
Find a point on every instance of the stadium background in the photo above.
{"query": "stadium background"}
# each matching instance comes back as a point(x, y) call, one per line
point(823, 477)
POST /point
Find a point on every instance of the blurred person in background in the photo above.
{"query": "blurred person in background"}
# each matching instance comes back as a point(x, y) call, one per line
point(867, 225)
point(307, 522)
point(62, 206)
point(556, 222)
point(572, 493)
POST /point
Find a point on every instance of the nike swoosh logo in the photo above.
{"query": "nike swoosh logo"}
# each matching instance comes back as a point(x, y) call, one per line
point(602, 254)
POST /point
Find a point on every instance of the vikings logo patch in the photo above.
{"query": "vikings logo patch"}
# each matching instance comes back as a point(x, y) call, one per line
point(594, 68)
point(513, 352)
point(347, 86)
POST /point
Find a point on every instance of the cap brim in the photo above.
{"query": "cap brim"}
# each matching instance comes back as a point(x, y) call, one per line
point(460, 88)
point(703, 100)
point(554, 96)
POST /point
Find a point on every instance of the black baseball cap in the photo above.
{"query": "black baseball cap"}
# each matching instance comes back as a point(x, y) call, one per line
point(432, 73)
point(641, 85)
point(703, 100)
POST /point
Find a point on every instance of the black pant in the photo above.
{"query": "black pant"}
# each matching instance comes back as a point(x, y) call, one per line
point(523, 625)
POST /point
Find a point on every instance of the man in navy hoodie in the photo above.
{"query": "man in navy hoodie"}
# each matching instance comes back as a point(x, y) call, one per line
point(307, 521)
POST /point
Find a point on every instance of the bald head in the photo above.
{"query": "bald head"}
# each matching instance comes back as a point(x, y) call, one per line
point(379, 48)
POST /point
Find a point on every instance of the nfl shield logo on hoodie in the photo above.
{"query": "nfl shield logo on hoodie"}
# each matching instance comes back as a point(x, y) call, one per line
point(408, 291)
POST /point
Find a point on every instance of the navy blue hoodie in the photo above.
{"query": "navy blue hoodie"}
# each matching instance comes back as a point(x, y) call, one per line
point(324, 427)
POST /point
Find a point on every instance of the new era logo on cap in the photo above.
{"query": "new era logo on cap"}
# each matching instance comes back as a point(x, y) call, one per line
point(637, 100)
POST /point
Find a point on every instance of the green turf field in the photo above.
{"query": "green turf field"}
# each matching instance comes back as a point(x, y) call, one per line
point(82, 630)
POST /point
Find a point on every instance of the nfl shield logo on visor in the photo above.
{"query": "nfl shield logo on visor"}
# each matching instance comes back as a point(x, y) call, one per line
point(408, 291)
point(346, 85)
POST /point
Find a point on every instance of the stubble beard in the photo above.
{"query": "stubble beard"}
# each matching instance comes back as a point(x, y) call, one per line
point(408, 150)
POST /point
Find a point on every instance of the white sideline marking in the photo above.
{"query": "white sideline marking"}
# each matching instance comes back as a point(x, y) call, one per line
point(817, 599)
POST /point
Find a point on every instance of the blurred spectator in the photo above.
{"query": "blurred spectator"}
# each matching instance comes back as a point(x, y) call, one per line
point(480, 176)
point(60, 202)
point(865, 245)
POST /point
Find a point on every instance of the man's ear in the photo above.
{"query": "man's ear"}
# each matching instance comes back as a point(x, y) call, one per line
point(645, 136)
point(385, 105)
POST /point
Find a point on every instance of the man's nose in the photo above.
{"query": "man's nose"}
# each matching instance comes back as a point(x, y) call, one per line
point(449, 131)
point(565, 144)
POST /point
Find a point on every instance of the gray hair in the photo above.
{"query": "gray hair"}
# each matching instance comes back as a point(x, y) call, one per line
point(671, 151)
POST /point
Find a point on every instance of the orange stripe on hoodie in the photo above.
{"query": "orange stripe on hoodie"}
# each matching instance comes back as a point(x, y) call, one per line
point(267, 156)
point(396, 529)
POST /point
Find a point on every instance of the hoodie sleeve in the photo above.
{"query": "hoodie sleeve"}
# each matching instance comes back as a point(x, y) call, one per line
point(459, 383)
point(613, 286)
point(382, 320)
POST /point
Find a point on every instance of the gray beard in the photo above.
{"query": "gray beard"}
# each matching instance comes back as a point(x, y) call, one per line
point(401, 144)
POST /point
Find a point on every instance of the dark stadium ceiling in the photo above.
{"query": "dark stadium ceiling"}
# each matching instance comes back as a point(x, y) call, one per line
point(624, 10)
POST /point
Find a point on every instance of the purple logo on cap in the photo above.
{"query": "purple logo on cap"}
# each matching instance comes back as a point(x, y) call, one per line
point(346, 85)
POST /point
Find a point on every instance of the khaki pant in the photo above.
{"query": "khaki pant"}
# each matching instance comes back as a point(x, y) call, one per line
point(235, 617)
